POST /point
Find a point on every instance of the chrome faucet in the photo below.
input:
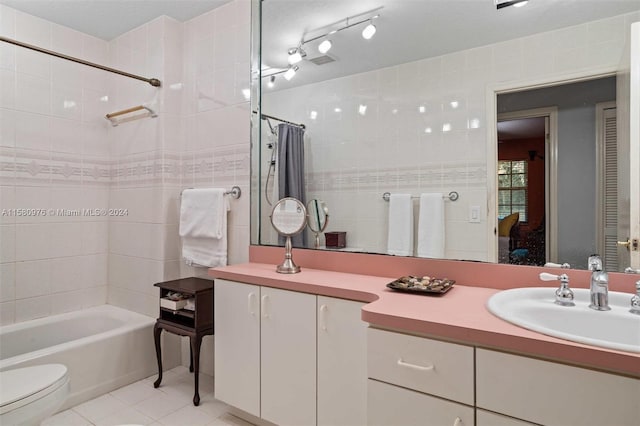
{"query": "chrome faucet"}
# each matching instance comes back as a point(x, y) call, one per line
point(635, 299)
point(564, 295)
point(599, 287)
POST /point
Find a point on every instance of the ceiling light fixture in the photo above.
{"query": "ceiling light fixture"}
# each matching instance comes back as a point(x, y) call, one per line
point(369, 31)
point(295, 55)
point(514, 3)
point(288, 75)
point(324, 46)
point(346, 23)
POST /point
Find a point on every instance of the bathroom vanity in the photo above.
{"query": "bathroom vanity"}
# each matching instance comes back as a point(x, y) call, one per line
point(296, 349)
point(274, 347)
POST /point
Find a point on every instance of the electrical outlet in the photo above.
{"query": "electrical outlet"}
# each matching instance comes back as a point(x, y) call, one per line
point(474, 214)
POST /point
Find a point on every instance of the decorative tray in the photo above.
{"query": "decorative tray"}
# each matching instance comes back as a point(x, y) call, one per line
point(422, 285)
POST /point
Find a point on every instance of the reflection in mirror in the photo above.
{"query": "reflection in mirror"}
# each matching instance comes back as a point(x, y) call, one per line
point(423, 119)
point(286, 164)
point(289, 218)
point(563, 120)
point(318, 218)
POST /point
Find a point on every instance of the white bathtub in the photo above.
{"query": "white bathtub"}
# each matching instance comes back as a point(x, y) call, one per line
point(104, 348)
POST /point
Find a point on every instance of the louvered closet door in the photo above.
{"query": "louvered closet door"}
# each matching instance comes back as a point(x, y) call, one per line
point(610, 202)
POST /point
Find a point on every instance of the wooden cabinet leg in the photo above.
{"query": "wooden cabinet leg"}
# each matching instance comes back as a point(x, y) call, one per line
point(190, 359)
point(195, 349)
point(156, 337)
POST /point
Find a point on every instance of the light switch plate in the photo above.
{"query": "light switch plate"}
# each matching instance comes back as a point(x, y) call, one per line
point(474, 214)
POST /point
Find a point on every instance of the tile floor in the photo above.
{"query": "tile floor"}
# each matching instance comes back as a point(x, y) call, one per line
point(139, 403)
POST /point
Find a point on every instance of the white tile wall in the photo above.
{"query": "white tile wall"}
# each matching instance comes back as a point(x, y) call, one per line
point(31, 308)
point(200, 139)
point(7, 282)
point(355, 157)
point(51, 263)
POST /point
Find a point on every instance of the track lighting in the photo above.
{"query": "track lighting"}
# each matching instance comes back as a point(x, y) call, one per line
point(515, 3)
point(288, 75)
point(324, 46)
point(295, 55)
point(369, 31)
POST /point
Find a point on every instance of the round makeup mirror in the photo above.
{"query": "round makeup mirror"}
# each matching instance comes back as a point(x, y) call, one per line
point(288, 217)
point(317, 218)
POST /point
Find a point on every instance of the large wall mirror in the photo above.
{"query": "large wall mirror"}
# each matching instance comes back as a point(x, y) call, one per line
point(522, 112)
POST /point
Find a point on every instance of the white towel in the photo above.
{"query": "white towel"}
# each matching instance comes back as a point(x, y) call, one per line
point(203, 212)
point(203, 227)
point(400, 241)
point(431, 226)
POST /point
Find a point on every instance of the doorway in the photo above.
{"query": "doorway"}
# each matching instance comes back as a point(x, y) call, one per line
point(523, 203)
point(571, 201)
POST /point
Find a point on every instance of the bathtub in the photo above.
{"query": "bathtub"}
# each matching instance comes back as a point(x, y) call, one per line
point(104, 348)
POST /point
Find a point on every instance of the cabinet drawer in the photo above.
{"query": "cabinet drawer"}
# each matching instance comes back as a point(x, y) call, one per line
point(430, 366)
point(550, 393)
point(392, 405)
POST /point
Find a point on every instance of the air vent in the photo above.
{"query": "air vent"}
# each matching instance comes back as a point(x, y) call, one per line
point(321, 60)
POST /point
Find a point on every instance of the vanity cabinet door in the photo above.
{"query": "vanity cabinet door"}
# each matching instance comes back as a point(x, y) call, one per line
point(393, 405)
point(342, 366)
point(237, 344)
point(288, 357)
point(554, 394)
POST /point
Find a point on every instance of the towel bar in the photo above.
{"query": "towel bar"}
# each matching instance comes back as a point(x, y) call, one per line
point(453, 196)
point(111, 117)
point(235, 192)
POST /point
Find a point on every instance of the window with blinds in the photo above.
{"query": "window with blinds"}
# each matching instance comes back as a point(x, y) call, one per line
point(512, 188)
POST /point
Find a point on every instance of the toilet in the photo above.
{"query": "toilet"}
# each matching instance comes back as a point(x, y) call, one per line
point(31, 394)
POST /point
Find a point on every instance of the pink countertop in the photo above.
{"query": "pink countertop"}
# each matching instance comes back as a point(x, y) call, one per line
point(459, 315)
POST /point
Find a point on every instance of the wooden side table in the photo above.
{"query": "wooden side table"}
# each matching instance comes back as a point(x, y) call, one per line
point(183, 322)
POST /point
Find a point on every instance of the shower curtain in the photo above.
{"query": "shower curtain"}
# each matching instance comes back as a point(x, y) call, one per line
point(291, 170)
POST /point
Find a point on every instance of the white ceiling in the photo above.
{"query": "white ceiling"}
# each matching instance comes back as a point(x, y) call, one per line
point(409, 30)
point(524, 128)
point(107, 19)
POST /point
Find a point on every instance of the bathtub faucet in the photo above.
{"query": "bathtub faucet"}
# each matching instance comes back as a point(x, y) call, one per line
point(599, 287)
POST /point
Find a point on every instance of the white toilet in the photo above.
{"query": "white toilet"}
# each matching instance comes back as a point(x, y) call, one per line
point(31, 394)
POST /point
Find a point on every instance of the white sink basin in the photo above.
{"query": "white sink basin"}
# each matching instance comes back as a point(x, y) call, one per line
point(534, 309)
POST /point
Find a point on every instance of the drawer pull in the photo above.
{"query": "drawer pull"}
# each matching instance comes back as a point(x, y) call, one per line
point(323, 317)
point(458, 422)
point(263, 308)
point(401, 363)
point(250, 300)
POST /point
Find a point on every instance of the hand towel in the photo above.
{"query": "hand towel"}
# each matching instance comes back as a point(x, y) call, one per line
point(431, 230)
point(202, 212)
point(203, 227)
point(400, 240)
